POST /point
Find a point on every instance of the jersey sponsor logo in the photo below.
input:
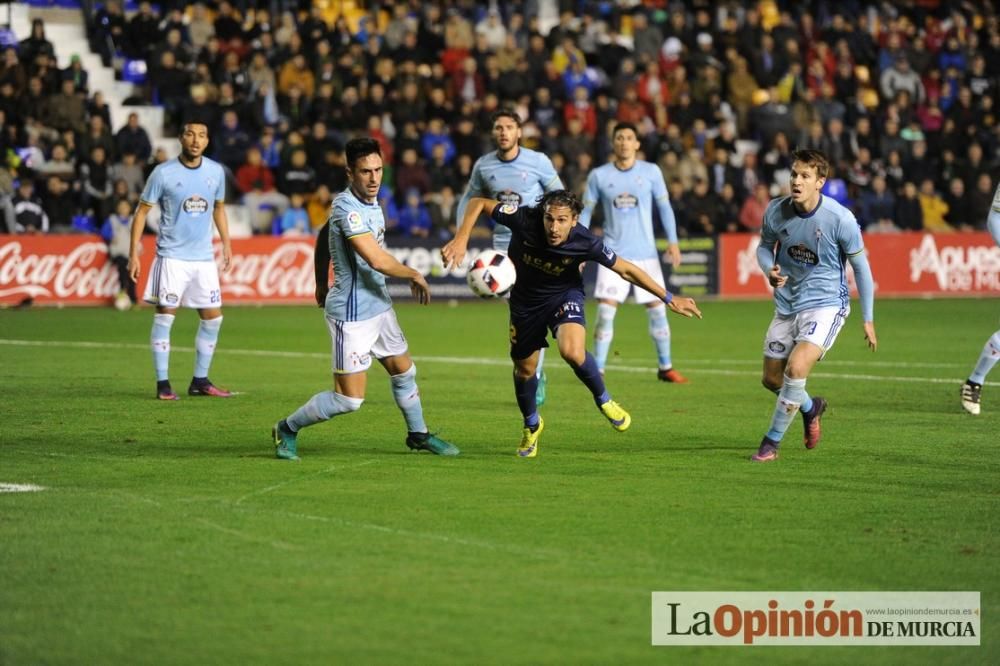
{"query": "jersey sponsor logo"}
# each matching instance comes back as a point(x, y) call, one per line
point(508, 209)
point(803, 255)
point(354, 221)
point(195, 205)
point(542, 265)
point(625, 201)
point(509, 198)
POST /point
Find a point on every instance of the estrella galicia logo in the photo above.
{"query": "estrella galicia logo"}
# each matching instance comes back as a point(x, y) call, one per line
point(194, 205)
point(803, 255)
point(509, 198)
point(625, 201)
point(775, 346)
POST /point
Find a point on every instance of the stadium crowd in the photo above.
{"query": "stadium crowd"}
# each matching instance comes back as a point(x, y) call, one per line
point(900, 95)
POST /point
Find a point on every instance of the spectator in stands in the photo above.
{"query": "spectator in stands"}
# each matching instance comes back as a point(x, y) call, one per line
point(702, 206)
point(751, 214)
point(76, 73)
point(12, 71)
point(142, 32)
point(296, 73)
point(116, 232)
point(109, 30)
point(960, 212)
point(29, 216)
point(295, 220)
point(411, 173)
point(97, 134)
point(230, 141)
point(96, 106)
point(58, 164)
point(298, 177)
point(66, 110)
point(59, 204)
point(414, 218)
point(256, 181)
point(96, 184)
point(319, 207)
point(36, 44)
point(909, 213)
point(933, 208)
point(878, 207)
point(437, 134)
point(133, 138)
point(171, 84)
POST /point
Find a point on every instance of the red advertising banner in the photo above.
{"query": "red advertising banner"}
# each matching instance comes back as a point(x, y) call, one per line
point(75, 270)
point(906, 264)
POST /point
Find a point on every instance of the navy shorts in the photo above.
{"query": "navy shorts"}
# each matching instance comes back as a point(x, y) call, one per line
point(529, 326)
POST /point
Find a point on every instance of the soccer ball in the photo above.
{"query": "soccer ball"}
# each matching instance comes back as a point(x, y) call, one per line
point(492, 274)
point(122, 302)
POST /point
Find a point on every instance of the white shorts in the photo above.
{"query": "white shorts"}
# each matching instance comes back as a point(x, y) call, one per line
point(614, 287)
point(819, 326)
point(176, 283)
point(355, 342)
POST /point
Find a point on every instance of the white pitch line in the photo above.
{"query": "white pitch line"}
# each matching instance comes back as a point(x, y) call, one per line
point(20, 488)
point(331, 468)
point(472, 360)
point(281, 545)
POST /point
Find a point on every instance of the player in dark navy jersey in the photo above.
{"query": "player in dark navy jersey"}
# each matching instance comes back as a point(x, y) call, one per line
point(547, 247)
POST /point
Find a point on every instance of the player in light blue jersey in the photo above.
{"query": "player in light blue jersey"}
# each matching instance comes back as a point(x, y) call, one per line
point(973, 387)
point(359, 312)
point(628, 188)
point(805, 243)
point(512, 174)
point(190, 191)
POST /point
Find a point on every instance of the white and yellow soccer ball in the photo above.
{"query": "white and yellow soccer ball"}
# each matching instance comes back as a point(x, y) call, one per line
point(492, 274)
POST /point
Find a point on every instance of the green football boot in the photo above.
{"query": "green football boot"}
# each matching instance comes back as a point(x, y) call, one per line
point(425, 441)
point(284, 441)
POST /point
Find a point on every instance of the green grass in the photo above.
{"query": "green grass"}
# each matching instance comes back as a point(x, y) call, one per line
point(169, 535)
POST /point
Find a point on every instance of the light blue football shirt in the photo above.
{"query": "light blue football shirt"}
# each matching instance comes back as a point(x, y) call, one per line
point(627, 197)
point(520, 181)
point(358, 291)
point(186, 197)
point(812, 250)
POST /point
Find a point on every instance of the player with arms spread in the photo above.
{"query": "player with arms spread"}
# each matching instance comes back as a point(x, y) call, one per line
point(191, 191)
point(973, 387)
point(805, 243)
point(628, 187)
point(359, 312)
point(512, 175)
point(547, 247)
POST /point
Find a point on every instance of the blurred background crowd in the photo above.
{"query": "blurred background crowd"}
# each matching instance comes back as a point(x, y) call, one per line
point(901, 95)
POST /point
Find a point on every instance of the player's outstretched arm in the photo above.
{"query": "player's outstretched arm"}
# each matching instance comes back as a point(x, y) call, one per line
point(321, 263)
point(682, 305)
point(135, 247)
point(386, 264)
point(453, 252)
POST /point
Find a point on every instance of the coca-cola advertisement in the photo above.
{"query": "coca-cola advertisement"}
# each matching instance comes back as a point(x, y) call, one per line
point(903, 264)
point(75, 270)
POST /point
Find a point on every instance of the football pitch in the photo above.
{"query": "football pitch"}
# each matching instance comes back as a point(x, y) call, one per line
point(167, 533)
